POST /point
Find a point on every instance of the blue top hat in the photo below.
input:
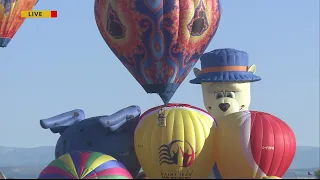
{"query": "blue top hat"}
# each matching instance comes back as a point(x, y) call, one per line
point(225, 65)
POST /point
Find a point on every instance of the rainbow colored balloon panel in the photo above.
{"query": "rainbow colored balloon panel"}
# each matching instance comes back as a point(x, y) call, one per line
point(85, 165)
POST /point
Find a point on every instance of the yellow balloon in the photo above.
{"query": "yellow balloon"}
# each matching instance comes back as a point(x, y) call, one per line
point(178, 145)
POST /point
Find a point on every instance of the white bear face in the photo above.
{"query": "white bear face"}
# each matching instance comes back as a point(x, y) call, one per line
point(223, 98)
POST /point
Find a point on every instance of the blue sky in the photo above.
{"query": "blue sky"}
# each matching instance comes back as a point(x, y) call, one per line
point(56, 65)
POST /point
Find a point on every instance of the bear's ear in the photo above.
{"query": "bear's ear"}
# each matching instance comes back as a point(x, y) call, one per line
point(196, 72)
point(252, 68)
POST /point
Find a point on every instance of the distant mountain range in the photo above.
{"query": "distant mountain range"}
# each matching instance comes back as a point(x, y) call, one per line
point(13, 157)
point(28, 162)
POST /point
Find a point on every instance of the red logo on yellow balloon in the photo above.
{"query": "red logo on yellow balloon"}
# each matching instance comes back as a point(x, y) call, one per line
point(175, 152)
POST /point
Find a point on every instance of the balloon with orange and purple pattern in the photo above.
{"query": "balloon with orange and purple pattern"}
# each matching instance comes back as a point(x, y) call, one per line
point(158, 41)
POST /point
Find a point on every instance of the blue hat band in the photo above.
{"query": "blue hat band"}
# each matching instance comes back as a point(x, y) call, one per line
point(224, 69)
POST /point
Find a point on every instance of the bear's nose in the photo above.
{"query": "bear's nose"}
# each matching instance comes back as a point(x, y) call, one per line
point(224, 106)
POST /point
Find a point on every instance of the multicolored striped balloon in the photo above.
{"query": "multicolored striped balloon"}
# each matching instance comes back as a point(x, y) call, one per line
point(85, 165)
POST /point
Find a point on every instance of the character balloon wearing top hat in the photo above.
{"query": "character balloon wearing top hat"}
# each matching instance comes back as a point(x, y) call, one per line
point(225, 78)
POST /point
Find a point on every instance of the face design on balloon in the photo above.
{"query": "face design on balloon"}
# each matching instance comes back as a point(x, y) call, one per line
point(223, 98)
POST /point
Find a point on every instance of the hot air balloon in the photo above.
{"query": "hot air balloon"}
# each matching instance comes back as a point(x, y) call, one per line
point(178, 145)
point(10, 17)
point(158, 41)
point(253, 144)
point(85, 165)
point(271, 177)
point(98, 134)
point(141, 175)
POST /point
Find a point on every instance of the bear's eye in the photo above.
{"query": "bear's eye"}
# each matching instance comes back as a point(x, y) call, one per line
point(219, 95)
point(230, 95)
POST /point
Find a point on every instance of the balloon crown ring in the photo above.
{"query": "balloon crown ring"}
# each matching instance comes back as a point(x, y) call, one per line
point(162, 122)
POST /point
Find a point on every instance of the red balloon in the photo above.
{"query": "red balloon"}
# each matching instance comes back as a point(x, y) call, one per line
point(266, 129)
point(253, 144)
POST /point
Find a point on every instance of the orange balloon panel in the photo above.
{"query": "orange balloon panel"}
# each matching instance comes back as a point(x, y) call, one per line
point(254, 145)
point(10, 17)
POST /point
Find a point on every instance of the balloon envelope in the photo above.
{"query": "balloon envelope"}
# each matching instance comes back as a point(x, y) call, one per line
point(179, 148)
point(141, 175)
point(271, 177)
point(158, 41)
point(85, 165)
point(254, 144)
point(90, 135)
point(97, 134)
point(10, 17)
